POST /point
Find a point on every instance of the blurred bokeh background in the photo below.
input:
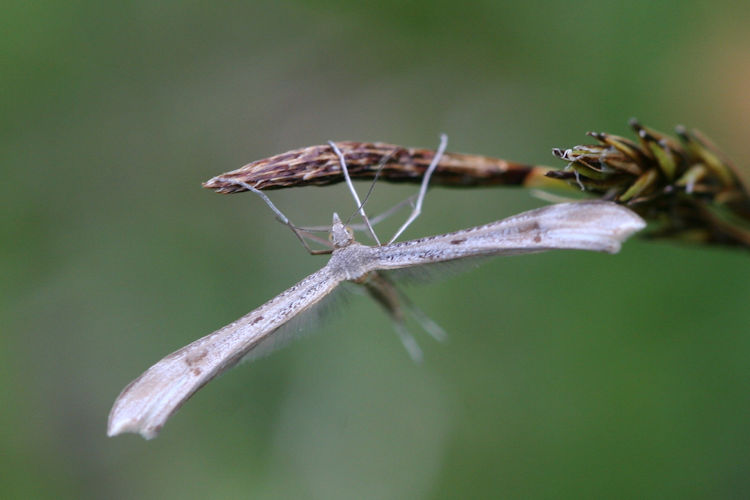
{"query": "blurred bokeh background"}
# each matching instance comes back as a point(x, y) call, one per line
point(566, 375)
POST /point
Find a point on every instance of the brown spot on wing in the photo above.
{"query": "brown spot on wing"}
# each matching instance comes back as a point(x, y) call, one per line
point(196, 358)
point(529, 227)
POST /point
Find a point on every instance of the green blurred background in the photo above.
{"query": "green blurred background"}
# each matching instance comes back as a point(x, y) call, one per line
point(566, 375)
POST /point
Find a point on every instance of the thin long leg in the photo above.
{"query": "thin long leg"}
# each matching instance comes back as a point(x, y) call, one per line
point(348, 179)
point(373, 220)
point(423, 188)
point(394, 301)
point(395, 208)
point(428, 325)
point(279, 214)
point(378, 171)
point(410, 343)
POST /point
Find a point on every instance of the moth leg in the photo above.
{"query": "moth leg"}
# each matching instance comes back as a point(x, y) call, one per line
point(394, 302)
point(433, 329)
point(373, 220)
point(410, 343)
point(300, 233)
point(349, 183)
point(423, 188)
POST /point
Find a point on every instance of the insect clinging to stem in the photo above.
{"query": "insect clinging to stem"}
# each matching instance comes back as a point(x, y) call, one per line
point(148, 401)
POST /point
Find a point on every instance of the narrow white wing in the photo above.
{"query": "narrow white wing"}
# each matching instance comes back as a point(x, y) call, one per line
point(588, 225)
point(148, 401)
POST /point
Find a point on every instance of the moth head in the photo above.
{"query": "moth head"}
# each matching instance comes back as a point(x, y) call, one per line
point(340, 235)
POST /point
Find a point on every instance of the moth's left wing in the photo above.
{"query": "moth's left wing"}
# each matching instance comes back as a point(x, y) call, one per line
point(599, 226)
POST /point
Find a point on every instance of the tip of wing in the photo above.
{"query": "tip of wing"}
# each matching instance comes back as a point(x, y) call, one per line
point(593, 225)
point(626, 223)
point(145, 405)
point(131, 414)
point(120, 424)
